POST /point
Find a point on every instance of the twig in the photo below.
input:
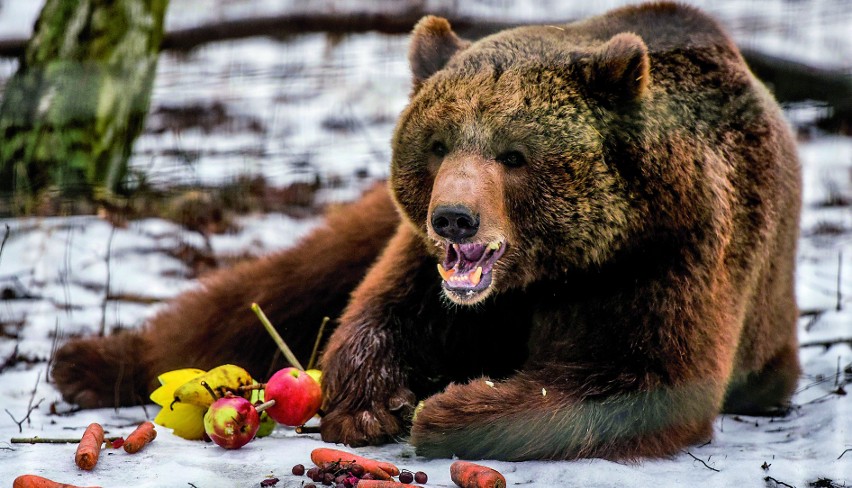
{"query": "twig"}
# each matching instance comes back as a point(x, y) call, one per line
point(5, 238)
point(770, 478)
point(822, 398)
point(837, 374)
point(842, 453)
point(54, 345)
point(52, 440)
point(291, 358)
point(245, 388)
point(702, 462)
point(313, 359)
point(828, 343)
point(66, 272)
point(263, 406)
point(107, 259)
point(306, 429)
point(30, 407)
point(839, 273)
point(814, 317)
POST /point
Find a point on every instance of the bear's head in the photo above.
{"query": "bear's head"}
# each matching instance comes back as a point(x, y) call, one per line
point(499, 159)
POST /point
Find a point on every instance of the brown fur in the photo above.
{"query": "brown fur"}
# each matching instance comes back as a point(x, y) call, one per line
point(214, 325)
point(648, 189)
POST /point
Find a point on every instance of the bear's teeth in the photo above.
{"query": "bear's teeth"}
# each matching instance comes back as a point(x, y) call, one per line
point(446, 274)
point(494, 245)
point(476, 275)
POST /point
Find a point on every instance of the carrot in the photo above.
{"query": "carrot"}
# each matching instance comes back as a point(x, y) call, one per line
point(140, 437)
point(380, 469)
point(33, 481)
point(89, 448)
point(383, 484)
point(470, 475)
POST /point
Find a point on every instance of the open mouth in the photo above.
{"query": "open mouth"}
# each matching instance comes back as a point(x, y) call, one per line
point(466, 269)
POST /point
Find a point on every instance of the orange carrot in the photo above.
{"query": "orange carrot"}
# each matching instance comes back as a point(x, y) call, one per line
point(380, 469)
point(383, 484)
point(33, 481)
point(89, 448)
point(140, 437)
point(470, 475)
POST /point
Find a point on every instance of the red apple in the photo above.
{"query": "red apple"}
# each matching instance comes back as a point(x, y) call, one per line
point(231, 422)
point(297, 397)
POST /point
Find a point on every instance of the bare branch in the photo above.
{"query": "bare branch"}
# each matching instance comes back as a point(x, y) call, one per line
point(777, 483)
point(30, 407)
point(5, 238)
point(839, 305)
point(54, 345)
point(107, 259)
point(828, 343)
point(52, 440)
point(702, 462)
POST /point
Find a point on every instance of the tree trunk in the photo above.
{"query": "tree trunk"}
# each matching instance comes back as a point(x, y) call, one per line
point(78, 101)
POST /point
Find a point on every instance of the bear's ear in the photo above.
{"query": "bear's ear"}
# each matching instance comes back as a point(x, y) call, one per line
point(619, 70)
point(433, 43)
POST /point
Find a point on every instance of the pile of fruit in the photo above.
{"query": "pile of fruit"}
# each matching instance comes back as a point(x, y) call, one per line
point(227, 406)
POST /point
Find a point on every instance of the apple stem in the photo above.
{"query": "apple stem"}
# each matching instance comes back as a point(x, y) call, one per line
point(263, 406)
point(291, 358)
point(317, 343)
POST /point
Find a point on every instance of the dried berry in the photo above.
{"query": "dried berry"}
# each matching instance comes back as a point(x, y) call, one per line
point(269, 482)
point(314, 474)
point(299, 470)
point(356, 470)
point(406, 477)
point(420, 477)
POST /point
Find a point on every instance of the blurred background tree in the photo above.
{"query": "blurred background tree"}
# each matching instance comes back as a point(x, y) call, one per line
point(70, 114)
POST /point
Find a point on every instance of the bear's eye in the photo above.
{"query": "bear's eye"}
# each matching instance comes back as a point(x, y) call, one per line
point(512, 159)
point(439, 149)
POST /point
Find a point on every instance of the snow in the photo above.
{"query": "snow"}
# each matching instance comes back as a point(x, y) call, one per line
point(57, 268)
point(63, 262)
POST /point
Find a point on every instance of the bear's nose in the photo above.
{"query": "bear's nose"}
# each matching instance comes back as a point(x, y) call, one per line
point(454, 222)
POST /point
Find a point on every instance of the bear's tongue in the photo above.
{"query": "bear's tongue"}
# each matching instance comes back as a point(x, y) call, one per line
point(465, 265)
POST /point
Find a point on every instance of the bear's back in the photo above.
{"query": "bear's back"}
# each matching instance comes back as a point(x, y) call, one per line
point(684, 46)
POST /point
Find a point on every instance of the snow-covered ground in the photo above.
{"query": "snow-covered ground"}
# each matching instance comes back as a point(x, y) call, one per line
point(318, 107)
point(62, 266)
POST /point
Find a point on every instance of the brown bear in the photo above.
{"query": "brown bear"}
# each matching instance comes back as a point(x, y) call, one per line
point(587, 249)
